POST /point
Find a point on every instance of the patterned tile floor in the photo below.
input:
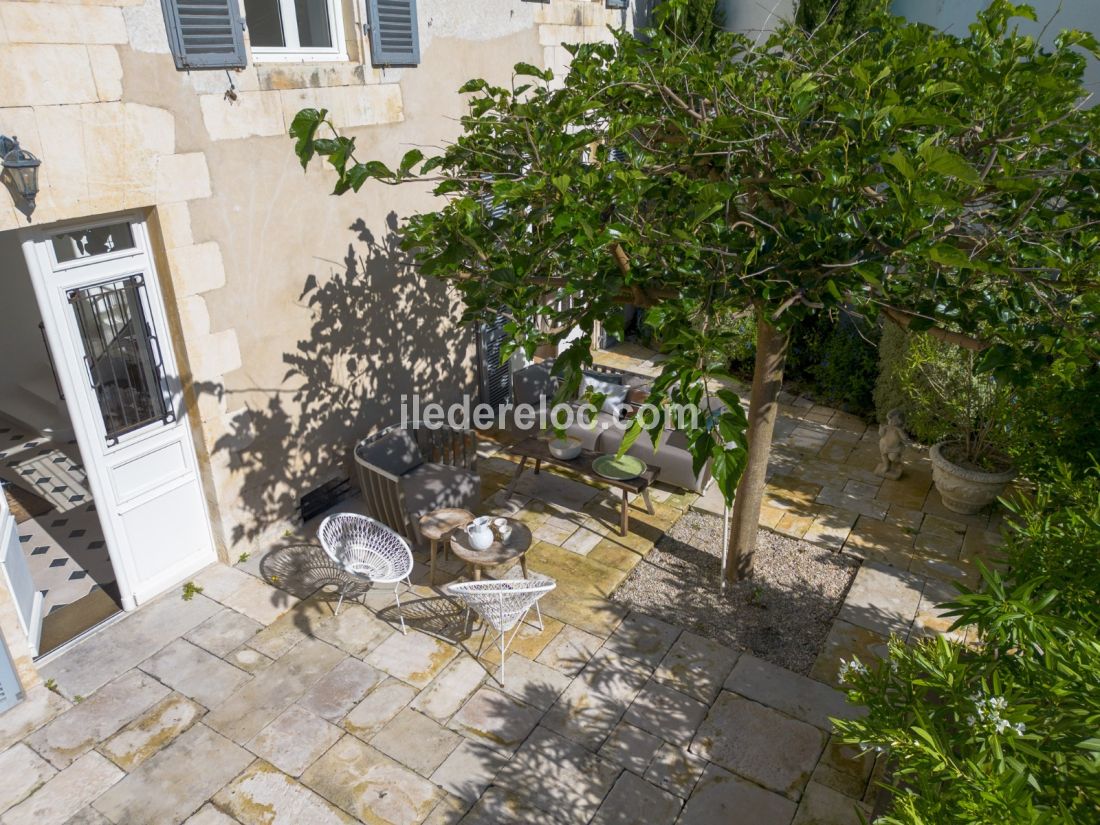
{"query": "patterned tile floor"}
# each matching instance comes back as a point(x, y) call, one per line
point(65, 548)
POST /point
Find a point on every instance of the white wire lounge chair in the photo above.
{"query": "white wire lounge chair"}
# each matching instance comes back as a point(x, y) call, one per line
point(369, 552)
point(502, 604)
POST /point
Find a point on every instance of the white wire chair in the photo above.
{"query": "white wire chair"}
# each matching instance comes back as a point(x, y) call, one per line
point(368, 551)
point(502, 604)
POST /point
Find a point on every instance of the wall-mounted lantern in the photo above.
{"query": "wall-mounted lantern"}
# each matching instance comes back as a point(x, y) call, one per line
point(20, 167)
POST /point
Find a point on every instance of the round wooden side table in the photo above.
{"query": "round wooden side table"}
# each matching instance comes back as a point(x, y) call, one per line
point(437, 525)
point(499, 552)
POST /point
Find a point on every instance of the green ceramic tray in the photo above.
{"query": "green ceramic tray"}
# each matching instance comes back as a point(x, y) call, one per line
point(618, 469)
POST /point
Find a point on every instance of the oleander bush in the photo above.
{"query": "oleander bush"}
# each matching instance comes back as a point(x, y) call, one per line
point(1005, 728)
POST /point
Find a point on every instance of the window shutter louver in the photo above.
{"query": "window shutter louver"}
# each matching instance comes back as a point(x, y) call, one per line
point(205, 34)
point(394, 39)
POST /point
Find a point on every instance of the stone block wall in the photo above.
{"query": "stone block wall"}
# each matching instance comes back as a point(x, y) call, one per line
point(299, 323)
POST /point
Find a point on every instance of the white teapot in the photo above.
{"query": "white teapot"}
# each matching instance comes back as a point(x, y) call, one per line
point(479, 532)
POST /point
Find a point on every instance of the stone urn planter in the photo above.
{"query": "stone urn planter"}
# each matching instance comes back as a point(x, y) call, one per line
point(965, 490)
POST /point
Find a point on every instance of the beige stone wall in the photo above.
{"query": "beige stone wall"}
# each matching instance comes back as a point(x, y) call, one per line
point(297, 318)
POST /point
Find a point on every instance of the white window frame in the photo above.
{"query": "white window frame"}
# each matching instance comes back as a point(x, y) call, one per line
point(297, 54)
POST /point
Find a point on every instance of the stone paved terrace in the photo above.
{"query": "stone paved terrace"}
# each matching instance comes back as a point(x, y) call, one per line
point(252, 703)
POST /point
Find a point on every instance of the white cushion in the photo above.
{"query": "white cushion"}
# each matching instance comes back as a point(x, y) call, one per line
point(614, 394)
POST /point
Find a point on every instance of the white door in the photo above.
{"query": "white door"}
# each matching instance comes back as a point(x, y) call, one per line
point(105, 321)
point(28, 599)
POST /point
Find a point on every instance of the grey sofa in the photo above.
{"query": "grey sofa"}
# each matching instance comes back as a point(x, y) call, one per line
point(405, 472)
point(535, 385)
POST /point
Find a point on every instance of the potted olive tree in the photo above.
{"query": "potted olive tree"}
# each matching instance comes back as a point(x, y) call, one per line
point(962, 413)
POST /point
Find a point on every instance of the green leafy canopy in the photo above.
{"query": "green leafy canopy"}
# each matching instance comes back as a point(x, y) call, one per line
point(953, 179)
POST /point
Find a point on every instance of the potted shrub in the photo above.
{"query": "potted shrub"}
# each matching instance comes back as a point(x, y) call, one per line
point(963, 412)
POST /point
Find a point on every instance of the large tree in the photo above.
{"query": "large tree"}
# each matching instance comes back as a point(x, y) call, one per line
point(949, 184)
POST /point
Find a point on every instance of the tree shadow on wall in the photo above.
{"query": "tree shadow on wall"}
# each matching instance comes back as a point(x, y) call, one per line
point(379, 331)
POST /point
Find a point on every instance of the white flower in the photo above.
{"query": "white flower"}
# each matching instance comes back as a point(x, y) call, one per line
point(848, 668)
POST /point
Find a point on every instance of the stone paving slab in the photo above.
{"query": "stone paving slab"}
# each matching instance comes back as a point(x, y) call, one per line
point(845, 641)
point(585, 716)
point(38, 707)
point(152, 731)
point(450, 689)
point(192, 671)
point(175, 782)
point(631, 747)
point(531, 682)
point(845, 769)
point(209, 815)
point(224, 632)
point(24, 771)
point(794, 694)
point(496, 719)
point(254, 705)
point(667, 713)
point(556, 775)
point(341, 689)
point(87, 723)
point(720, 796)
point(675, 770)
point(882, 599)
point(90, 816)
point(264, 796)
point(759, 744)
point(259, 601)
point(615, 676)
point(824, 806)
point(65, 793)
point(294, 740)
point(570, 650)
point(642, 638)
point(469, 769)
point(633, 800)
point(416, 741)
point(370, 786)
point(355, 630)
point(696, 666)
point(119, 647)
point(416, 658)
point(379, 706)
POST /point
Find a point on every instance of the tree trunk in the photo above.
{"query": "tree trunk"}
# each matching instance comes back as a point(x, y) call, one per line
point(767, 380)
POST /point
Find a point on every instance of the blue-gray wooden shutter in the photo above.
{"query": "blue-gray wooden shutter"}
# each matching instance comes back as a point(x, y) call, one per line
point(205, 34)
point(618, 4)
point(394, 38)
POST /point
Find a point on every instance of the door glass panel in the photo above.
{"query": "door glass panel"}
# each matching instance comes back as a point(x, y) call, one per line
point(314, 29)
point(87, 243)
point(122, 355)
point(265, 23)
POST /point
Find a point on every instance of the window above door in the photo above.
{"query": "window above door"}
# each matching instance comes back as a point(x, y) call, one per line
point(295, 30)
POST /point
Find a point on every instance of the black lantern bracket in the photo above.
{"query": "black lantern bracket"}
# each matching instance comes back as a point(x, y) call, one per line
point(20, 172)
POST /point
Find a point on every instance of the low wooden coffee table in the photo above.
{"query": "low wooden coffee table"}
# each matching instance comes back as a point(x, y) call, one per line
point(517, 545)
point(436, 527)
point(539, 450)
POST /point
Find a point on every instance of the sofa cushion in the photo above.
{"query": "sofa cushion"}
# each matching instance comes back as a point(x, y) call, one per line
point(533, 385)
point(614, 394)
point(432, 486)
point(589, 432)
point(395, 453)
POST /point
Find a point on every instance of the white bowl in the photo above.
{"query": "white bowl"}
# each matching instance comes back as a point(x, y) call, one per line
point(565, 448)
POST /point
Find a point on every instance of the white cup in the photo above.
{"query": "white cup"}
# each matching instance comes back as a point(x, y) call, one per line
point(503, 528)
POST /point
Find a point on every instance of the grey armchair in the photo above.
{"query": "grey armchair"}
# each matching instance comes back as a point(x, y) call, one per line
point(405, 472)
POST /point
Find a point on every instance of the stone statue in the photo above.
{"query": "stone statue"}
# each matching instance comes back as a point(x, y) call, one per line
point(891, 440)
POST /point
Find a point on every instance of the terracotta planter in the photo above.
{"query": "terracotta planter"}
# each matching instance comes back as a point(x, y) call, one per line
point(964, 490)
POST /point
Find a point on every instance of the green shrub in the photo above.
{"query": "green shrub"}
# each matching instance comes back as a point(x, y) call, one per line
point(1055, 421)
point(1005, 729)
point(893, 348)
point(834, 360)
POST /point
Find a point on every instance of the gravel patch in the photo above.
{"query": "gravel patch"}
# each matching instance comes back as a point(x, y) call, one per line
point(782, 614)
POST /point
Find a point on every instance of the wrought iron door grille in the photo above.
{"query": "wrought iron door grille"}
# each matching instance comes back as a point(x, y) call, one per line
point(122, 354)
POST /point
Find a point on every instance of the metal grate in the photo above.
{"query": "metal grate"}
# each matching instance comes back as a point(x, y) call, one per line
point(122, 354)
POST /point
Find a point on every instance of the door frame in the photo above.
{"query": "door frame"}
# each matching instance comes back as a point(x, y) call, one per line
point(84, 418)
